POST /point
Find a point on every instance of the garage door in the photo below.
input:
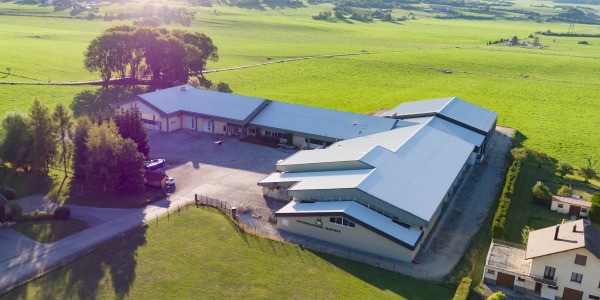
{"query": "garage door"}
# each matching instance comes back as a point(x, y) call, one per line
point(505, 280)
point(571, 294)
point(574, 210)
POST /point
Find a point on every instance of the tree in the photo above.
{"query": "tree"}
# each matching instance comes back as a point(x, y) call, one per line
point(565, 191)
point(80, 152)
point(130, 125)
point(15, 142)
point(497, 296)
point(563, 169)
point(541, 158)
point(43, 137)
point(588, 172)
point(63, 122)
point(102, 149)
point(130, 168)
point(541, 194)
point(595, 209)
point(514, 40)
point(536, 41)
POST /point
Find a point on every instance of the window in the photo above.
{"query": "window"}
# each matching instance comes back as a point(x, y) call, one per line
point(491, 272)
point(592, 297)
point(583, 210)
point(560, 206)
point(342, 221)
point(267, 133)
point(520, 278)
point(576, 277)
point(549, 272)
point(580, 259)
point(552, 287)
point(224, 127)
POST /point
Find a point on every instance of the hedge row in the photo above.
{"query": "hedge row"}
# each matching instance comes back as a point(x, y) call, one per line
point(505, 198)
point(462, 292)
point(17, 215)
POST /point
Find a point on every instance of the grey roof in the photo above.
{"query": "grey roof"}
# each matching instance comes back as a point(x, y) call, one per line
point(541, 242)
point(508, 258)
point(452, 109)
point(407, 237)
point(187, 98)
point(320, 122)
point(410, 168)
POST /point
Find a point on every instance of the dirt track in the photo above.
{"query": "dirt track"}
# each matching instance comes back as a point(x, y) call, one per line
point(446, 245)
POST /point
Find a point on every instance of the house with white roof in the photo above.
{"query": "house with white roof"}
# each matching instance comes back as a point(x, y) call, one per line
point(559, 262)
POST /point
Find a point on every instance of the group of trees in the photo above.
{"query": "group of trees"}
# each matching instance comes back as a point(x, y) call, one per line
point(166, 57)
point(111, 153)
point(32, 142)
point(107, 152)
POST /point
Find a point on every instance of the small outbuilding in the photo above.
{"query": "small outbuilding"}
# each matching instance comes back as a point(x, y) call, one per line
point(570, 205)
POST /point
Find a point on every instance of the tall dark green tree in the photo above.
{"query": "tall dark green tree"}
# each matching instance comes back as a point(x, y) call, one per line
point(130, 168)
point(42, 131)
point(80, 153)
point(102, 155)
point(130, 125)
point(62, 120)
point(15, 142)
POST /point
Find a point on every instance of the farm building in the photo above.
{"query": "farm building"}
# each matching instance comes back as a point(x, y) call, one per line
point(387, 188)
point(374, 184)
point(571, 206)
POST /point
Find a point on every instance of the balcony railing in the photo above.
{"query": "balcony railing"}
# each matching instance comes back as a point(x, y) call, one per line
point(543, 279)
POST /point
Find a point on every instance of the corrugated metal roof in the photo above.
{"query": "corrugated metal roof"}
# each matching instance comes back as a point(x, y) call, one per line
point(452, 108)
point(320, 122)
point(573, 201)
point(190, 99)
point(470, 136)
point(385, 226)
point(326, 180)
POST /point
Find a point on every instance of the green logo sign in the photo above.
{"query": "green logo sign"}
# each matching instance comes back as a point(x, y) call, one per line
point(319, 222)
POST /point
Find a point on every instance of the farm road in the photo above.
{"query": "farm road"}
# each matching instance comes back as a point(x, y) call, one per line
point(447, 243)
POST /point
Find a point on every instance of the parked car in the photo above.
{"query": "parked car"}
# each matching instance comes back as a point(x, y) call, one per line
point(170, 180)
point(155, 164)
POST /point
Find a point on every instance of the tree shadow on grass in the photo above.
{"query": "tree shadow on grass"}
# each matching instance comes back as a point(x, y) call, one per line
point(114, 262)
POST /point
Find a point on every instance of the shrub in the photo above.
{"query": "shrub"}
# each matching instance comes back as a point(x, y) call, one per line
point(500, 218)
point(565, 191)
point(563, 169)
point(583, 43)
point(497, 296)
point(541, 194)
point(62, 213)
point(462, 292)
point(507, 192)
point(15, 211)
point(525, 234)
point(7, 192)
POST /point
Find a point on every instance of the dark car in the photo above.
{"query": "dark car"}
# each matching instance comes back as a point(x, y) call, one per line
point(155, 164)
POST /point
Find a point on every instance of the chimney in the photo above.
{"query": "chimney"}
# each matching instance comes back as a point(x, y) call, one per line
point(575, 228)
point(556, 233)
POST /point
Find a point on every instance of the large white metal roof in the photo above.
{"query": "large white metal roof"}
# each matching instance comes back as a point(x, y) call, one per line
point(452, 108)
point(190, 99)
point(319, 121)
point(458, 131)
point(409, 236)
point(327, 180)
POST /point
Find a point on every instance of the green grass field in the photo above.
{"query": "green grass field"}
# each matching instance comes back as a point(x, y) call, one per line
point(200, 255)
point(49, 231)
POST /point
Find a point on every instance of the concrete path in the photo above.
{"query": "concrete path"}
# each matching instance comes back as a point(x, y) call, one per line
point(30, 258)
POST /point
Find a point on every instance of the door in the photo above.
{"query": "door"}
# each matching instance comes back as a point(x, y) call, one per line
point(571, 294)
point(2, 214)
point(574, 210)
point(538, 288)
point(505, 280)
point(207, 126)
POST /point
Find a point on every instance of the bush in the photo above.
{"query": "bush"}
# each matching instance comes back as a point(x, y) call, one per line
point(7, 192)
point(15, 211)
point(62, 213)
point(565, 191)
point(497, 296)
point(462, 292)
point(563, 169)
point(507, 192)
point(500, 218)
point(541, 194)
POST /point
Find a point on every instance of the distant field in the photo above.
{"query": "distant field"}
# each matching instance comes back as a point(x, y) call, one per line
point(549, 94)
point(199, 255)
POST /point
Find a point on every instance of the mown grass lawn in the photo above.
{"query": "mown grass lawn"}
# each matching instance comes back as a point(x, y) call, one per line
point(200, 255)
point(49, 231)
